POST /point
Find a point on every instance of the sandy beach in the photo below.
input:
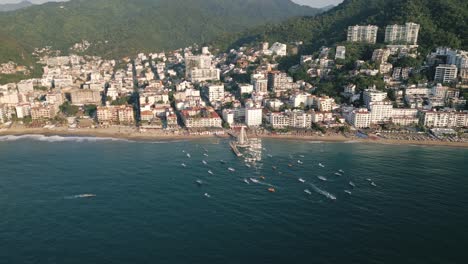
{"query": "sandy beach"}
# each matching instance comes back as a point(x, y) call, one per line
point(133, 134)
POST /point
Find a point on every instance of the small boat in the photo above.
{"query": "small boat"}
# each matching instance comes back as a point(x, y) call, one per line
point(207, 195)
point(321, 165)
point(280, 173)
point(183, 165)
point(231, 169)
point(205, 149)
point(248, 165)
point(199, 182)
point(322, 178)
point(204, 162)
point(301, 180)
point(373, 184)
point(369, 179)
point(222, 162)
point(188, 155)
point(341, 171)
point(337, 174)
point(246, 181)
point(352, 184)
point(274, 167)
point(348, 192)
point(262, 177)
point(272, 190)
point(210, 172)
point(254, 180)
point(300, 162)
point(183, 151)
point(269, 155)
point(290, 165)
point(307, 191)
point(204, 154)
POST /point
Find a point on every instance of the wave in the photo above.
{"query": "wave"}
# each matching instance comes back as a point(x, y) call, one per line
point(53, 139)
point(323, 192)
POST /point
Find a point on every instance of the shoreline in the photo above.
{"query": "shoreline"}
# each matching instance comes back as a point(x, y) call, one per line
point(137, 136)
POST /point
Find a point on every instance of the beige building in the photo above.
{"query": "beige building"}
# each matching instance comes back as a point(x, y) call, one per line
point(122, 114)
point(402, 34)
point(82, 97)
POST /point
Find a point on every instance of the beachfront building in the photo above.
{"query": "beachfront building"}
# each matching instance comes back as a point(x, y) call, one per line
point(402, 34)
point(365, 34)
point(381, 112)
point(359, 118)
point(122, 114)
point(320, 117)
point(449, 119)
point(43, 112)
point(201, 118)
point(253, 117)
point(278, 120)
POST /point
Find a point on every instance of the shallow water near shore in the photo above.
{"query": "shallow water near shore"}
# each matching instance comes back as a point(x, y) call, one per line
point(85, 200)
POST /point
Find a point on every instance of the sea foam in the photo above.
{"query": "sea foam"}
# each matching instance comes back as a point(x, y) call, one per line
point(54, 139)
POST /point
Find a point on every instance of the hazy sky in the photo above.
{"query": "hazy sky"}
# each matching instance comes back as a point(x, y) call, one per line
point(314, 3)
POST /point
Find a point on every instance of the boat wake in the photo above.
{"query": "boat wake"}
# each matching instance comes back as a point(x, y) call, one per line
point(79, 196)
point(323, 192)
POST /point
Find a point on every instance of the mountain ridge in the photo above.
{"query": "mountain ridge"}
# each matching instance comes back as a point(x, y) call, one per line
point(15, 6)
point(140, 25)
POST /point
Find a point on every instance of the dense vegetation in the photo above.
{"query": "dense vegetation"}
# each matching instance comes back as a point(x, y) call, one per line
point(443, 22)
point(121, 27)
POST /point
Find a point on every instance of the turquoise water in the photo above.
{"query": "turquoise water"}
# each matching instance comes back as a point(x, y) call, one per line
point(149, 209)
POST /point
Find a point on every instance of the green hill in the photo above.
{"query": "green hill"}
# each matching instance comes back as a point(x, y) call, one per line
point(128, 26)
point(443, 23)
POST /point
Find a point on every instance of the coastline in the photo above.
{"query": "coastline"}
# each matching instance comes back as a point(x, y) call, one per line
point(138, 136)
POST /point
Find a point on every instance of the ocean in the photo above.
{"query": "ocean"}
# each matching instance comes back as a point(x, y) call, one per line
point(87, 200)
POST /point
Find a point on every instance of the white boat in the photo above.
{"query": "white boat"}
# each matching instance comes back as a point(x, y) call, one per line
point(369, 179)
point(301, 180)
point(269, 155)
point(222, 162)
point(373, 184)
point(204, 154)
point(188, 155)
point(231, 169)
point(352, 184)
point(302, 156)
point(321, 165)
point(254, 180)
point(348, 192)
point(307, 191)
point(183, 151)
point(337, 174)
point(199, 182)
point(248, 165)
point(183, 165)
point(341, 171)
point(246, 181)
point(300, 162)
point(210, 172)
point(204, 162)
point(207, 195)
point(322, 178)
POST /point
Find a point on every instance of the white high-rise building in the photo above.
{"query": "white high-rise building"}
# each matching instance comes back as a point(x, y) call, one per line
point(367, 34)
point(340, 52)
point(446, 73)
point(253, 117)
point(372, 96)
point(402, 34)
point(359, 118)
point(215, 92)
